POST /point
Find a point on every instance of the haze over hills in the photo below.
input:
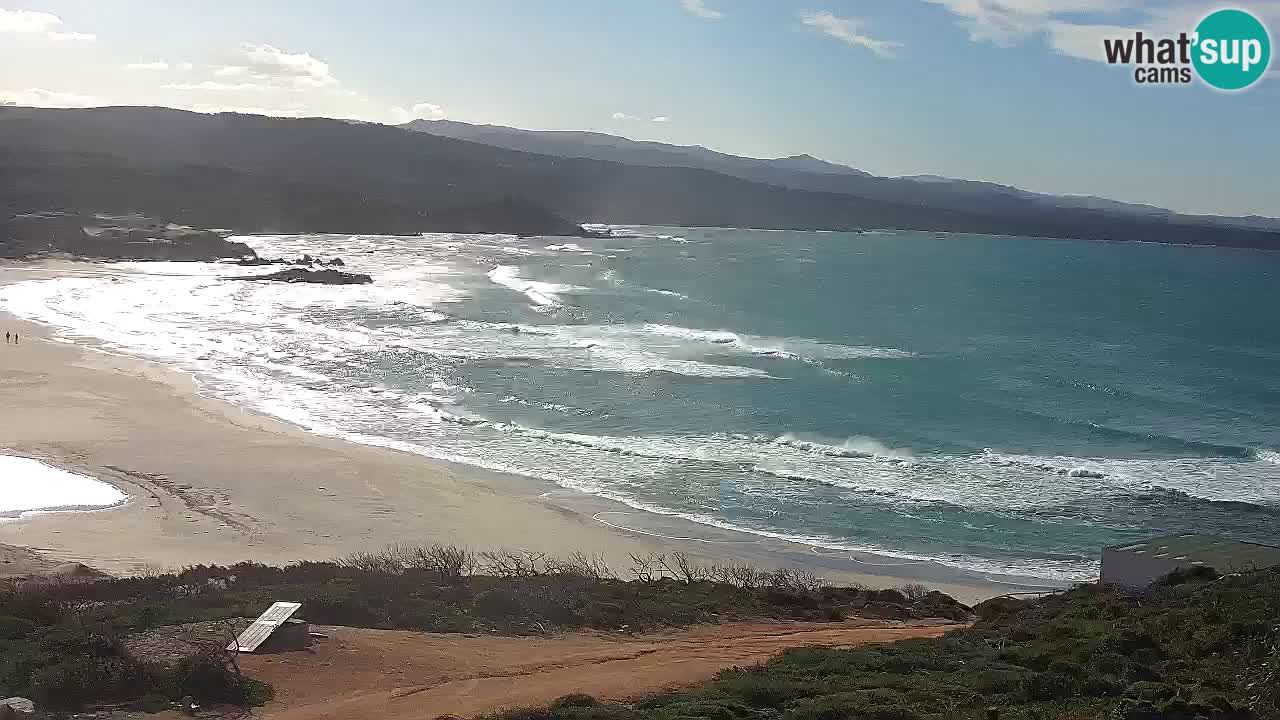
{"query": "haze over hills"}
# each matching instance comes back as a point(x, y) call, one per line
point(255, 173)
point(799, 172)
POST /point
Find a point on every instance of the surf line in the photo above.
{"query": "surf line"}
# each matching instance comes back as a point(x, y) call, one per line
point(842, 554)
point(624, 528)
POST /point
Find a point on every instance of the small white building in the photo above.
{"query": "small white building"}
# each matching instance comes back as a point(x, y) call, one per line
point(1140, 564)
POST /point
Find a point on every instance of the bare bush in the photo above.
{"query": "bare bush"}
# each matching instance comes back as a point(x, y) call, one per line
point(579, 564)
point(913, 592)
point(795, 580)
point(448, 562)
point(645, 568)
point(680, 567)
point(512, 563)
point(738, 575)
point(451, 564)
point(373, 561)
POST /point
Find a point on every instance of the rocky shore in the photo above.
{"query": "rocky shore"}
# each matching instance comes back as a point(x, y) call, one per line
point(100, 237)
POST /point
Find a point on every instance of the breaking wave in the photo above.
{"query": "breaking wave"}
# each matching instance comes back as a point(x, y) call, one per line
point(541, 293)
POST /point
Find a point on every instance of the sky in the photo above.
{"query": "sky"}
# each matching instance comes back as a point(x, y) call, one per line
point(1008, 91)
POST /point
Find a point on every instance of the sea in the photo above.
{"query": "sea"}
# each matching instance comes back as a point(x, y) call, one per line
point(1002, 406)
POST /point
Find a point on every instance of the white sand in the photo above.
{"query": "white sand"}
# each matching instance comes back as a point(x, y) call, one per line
point(27, 484)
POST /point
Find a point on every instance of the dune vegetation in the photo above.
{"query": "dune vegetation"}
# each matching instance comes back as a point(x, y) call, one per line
point(1192, 646)
point(1195, 645)
point(63, 642)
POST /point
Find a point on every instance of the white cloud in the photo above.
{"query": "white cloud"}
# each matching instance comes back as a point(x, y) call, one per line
point(847, 30)
point(420, 111)
point(300, 69)
point(428, 110)
point(157, 65)
point(215, 86)
point(271, 67)
point(72, 36)
point(700, 9)
point(1007, 23)
point(31, 21)
point(186, 66)
point(1082, 41)
point(39, 97)
point(622, 116)
point(28, 21)
point(661, 118)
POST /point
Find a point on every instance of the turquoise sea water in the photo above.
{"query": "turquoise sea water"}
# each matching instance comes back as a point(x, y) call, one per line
point(1003, 405)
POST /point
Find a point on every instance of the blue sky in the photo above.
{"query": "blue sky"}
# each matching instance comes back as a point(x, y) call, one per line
point(1003, 90)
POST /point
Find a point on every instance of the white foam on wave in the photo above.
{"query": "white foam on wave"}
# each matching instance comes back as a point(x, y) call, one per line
point(788, 347)
point(541, 293)
point(668, 293)
point(633, 232)
point(28, 485)
point(859, 446)
point(1251, 481)
point(576, 347)
point(1270, 456)
point(569, 247)
point(984, 482)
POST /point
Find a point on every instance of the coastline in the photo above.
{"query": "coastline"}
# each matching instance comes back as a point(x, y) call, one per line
point(211, 482)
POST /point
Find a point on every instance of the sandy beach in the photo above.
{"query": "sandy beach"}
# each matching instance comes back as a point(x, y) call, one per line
point(213, 483)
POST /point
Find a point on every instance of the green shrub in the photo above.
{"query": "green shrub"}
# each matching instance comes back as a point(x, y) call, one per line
point(1110, 663)
point(997, 682)
point(573, 700)
point(154, 703)
point(209, 680)
point(1103, 685)
point(1150, 691)
point(1050, 686)
point(762, 689)
point(710, 710)
point(13, 628)
point(69, 667)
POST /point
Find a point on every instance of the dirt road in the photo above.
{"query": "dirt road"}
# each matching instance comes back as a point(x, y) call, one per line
point(394, 674)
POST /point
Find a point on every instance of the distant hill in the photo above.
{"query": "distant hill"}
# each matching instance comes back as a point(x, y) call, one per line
point(799, 172)
point(250, 172)
point(599, 146)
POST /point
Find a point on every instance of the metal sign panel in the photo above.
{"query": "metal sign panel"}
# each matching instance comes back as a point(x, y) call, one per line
point(261, 629)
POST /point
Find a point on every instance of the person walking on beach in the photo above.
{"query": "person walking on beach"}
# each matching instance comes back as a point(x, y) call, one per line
point(6, 338)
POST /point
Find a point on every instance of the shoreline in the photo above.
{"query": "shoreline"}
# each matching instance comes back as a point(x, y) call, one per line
point(213, 482)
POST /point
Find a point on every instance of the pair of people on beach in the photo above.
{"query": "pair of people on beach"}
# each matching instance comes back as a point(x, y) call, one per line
point(14, 335)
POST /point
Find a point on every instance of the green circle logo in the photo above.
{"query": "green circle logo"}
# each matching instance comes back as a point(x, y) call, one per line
point(1232, 49)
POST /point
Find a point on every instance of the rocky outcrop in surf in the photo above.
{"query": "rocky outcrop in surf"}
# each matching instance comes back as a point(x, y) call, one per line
point(319, 277)
point(307, 260)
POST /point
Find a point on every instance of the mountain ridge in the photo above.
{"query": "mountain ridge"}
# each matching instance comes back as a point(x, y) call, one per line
point(255, 173)
point(955, 193)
